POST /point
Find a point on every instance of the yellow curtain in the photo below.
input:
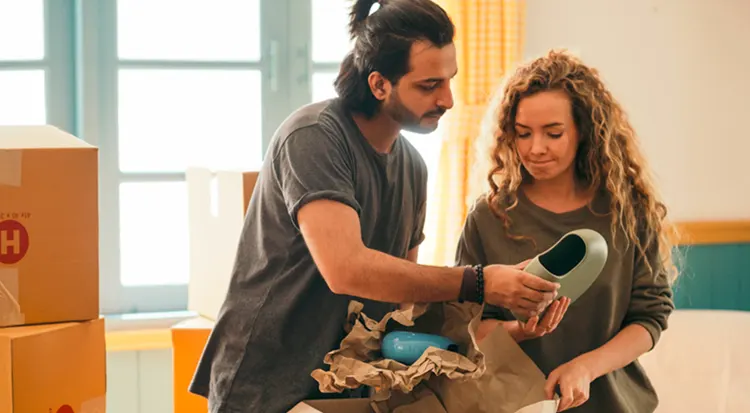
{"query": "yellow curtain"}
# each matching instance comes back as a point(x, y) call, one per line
point(489, 43)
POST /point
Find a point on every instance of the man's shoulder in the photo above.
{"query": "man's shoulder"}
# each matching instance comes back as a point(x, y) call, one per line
point(314, 120)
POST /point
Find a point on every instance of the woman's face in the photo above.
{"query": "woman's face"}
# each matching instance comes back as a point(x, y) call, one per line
point(546, 135)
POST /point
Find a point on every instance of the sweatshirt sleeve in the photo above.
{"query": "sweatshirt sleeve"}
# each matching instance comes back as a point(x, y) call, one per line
point(651, 301)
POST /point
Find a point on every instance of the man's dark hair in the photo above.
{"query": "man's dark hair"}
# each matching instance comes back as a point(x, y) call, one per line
point(383, 42)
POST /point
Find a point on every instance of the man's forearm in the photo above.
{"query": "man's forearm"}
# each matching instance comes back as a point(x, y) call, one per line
point(629, 344)
point(378, 276)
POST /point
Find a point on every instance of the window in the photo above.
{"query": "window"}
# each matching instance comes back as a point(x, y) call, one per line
point(22, 66)
point(176, 84)
point(159, 85)
point(37, 66)
point(190, 93)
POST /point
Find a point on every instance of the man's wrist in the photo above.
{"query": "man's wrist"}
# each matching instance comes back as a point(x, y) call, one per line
point(472, 285)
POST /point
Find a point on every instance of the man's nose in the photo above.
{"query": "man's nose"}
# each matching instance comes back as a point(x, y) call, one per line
point(446, 99)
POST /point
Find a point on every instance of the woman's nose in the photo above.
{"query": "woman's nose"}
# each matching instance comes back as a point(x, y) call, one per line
point(538, 146)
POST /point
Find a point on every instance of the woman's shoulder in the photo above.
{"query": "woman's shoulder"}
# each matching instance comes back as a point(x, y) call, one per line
point(481, 211)
point(480, 206)
point(483, 203)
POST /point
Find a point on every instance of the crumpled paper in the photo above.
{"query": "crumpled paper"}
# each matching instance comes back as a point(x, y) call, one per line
point(358, 360)
point(492, 376)
point(511, 383)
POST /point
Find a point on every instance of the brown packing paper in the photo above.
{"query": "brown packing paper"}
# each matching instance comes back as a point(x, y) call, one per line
point(493, 376)
point(358, 362)
point(511, 383)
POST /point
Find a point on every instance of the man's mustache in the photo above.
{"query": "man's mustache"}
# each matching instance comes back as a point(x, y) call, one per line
point(436, 112)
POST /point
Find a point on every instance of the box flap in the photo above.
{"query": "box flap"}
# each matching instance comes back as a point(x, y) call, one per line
point(13, 333)
point(38, 137)
point(217, 203)
point(197, 323)
point(333, 406)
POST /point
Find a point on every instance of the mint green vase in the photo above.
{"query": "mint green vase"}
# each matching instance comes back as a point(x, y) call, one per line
point(574, 262)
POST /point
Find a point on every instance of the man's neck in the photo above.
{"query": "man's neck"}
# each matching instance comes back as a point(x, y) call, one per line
point(380, 131)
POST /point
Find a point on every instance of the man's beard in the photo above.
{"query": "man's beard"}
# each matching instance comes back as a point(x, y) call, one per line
point(409, 120)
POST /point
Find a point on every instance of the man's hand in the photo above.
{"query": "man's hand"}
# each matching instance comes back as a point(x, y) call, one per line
point(520, 292)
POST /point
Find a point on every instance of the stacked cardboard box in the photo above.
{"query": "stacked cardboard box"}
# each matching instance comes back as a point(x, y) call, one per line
point(188, 340)
point(52, 343)
point(217, 203)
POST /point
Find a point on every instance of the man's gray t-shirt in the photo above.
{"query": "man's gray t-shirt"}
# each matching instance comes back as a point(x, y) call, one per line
point(280, 318)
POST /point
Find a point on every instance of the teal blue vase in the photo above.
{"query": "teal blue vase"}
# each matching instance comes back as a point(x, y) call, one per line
point(407, 347)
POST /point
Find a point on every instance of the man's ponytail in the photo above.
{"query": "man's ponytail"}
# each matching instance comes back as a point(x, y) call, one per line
point(359, 12)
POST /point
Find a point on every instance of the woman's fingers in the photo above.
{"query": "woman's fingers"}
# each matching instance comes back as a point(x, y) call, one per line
point(549, 317)
point(531, 325)
point(564, 303)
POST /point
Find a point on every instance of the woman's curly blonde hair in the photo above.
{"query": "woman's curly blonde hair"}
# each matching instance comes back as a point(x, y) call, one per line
point(608, 159)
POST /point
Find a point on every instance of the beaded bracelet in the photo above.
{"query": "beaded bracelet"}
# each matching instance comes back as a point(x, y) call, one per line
point(480, 283)
point(472, 285)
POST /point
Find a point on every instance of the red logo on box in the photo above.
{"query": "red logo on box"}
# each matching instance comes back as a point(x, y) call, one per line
point(14, 241)
point(65, 409)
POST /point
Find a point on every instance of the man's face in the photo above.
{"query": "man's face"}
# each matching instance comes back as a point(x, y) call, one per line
point(423, 95)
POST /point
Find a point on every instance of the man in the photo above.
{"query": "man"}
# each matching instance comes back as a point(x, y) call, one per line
point(337, 214)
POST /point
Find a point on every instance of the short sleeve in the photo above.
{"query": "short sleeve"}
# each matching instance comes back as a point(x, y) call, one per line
point(313, 164)
point(418, 236)
point(651, 297)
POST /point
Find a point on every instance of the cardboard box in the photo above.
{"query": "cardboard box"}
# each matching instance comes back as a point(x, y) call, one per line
point(188, 340)
point(189, 337)
point(49, 222)
point(333, 406)
point(217, 202)
point(58, 368)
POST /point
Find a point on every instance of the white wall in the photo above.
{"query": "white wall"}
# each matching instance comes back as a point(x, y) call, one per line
point(681, 68)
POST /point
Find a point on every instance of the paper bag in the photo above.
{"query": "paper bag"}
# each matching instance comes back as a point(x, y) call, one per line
point(511, 383)
point(358, 360)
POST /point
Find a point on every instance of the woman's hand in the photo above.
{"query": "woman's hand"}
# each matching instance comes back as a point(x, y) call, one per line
point(574, 380)
point(533, 328)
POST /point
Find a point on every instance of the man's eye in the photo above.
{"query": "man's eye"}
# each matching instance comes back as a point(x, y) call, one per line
point(428, 87)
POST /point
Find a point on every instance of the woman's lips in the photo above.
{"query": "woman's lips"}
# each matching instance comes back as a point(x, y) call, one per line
point(540, 163)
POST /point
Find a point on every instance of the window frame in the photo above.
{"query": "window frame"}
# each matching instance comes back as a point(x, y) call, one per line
point(57, 64)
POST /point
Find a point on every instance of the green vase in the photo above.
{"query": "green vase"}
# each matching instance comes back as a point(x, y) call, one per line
point(574, 262)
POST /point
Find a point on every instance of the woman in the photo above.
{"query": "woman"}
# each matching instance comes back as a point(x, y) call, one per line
point(565, 158)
